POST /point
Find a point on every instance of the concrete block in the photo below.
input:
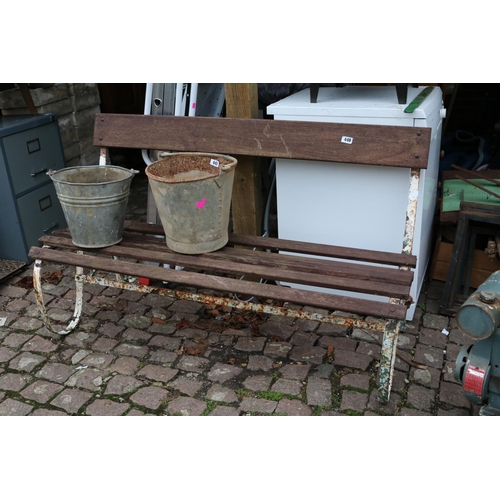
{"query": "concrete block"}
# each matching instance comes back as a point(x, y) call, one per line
point(84, 120)
point(13, 98)
point(86, 145)
point(72, 151)
point(69, 135)
point(84, 101)
point(82, 88)
point(60, 107)
point(89, 158)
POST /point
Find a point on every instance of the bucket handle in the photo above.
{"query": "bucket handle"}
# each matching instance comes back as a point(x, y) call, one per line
point(49, 172)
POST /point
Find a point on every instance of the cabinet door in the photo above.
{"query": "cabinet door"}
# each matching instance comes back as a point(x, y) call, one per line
point(30, 154)
point(40, 213)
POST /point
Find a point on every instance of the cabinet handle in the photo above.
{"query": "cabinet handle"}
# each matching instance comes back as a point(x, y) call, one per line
point(39, 172)
point(48, 229)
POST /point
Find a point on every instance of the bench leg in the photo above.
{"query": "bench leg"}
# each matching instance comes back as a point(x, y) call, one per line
point(37, 284)
point(388, 357)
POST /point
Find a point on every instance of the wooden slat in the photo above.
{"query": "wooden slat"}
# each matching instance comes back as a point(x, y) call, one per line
point(229, 285)
point(252, 264)
point(342, 269)
point(288, 263)
point(337, 252)
point(275, 244)
point(372, 144)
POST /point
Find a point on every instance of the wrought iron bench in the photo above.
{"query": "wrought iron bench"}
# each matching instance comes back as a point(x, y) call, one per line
point(330, 267)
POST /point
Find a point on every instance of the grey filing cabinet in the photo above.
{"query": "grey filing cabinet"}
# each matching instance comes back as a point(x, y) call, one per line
point(29, 207)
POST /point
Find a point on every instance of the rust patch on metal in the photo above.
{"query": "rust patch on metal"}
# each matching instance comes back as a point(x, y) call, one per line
point(37, 286)
point(237, 304)
point(411, 212)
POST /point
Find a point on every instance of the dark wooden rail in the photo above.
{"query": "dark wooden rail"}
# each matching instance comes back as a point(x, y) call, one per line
point(406, 147)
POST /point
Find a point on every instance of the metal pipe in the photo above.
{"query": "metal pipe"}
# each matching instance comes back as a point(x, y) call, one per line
point(147, 111)
point(193, 96)
point(178, 99)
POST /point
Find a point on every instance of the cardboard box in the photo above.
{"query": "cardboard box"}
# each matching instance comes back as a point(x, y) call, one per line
point(482, 267)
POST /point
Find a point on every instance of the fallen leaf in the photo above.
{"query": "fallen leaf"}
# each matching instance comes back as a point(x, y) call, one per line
point(192, 351)
point(202, 324)
point(214, 312)
point(198, 349)
point(254, 327)
point(121, 304)
point(159, 320)
point(238, 318)
point(182, 324)
point(26, 282)
point(330, 350)
point(53, 277)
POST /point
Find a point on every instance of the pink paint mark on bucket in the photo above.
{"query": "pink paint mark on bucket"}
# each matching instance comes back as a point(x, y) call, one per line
point(201, 204)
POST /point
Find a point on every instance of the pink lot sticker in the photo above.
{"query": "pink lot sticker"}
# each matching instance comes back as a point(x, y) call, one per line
point(201, 204)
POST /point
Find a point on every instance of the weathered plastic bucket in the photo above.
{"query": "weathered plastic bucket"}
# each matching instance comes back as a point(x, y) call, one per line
point(193, 193)
point(94, 201)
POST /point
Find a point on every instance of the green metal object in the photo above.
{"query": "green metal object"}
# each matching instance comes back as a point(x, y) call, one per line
point(478, 365)
point(418, 100)
point(479, 315)
point(456, 191)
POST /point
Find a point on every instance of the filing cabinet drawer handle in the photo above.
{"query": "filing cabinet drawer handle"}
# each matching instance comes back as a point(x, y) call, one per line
point(39, 172)
point(48, 229)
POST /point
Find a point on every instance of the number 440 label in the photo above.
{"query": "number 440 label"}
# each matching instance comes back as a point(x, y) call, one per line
point(346, 140)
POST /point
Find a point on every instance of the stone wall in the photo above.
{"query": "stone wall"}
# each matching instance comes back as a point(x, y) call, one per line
point(75, 105)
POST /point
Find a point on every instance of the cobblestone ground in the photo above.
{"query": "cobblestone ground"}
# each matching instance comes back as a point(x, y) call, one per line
point(142, 354)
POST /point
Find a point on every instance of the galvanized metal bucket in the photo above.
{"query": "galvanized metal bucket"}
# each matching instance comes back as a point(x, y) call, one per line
point(94, 201)
point(193, 193)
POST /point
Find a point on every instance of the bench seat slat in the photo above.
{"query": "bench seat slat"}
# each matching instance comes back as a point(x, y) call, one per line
point(355, 254)
point(289, 262)
point(259, 265)
point(226, 256)
point(298, 262)
point(223, 284)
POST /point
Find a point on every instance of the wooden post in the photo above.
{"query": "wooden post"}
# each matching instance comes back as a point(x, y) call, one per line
point(242, 102)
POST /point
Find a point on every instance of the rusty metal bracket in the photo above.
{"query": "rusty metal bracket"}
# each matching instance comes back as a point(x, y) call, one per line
point(37, 284)
point(391, 332)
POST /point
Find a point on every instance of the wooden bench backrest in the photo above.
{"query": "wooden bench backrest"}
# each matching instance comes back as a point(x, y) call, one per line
point(406, 147)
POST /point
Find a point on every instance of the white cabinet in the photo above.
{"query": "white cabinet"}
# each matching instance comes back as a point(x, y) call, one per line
point(355, 205)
